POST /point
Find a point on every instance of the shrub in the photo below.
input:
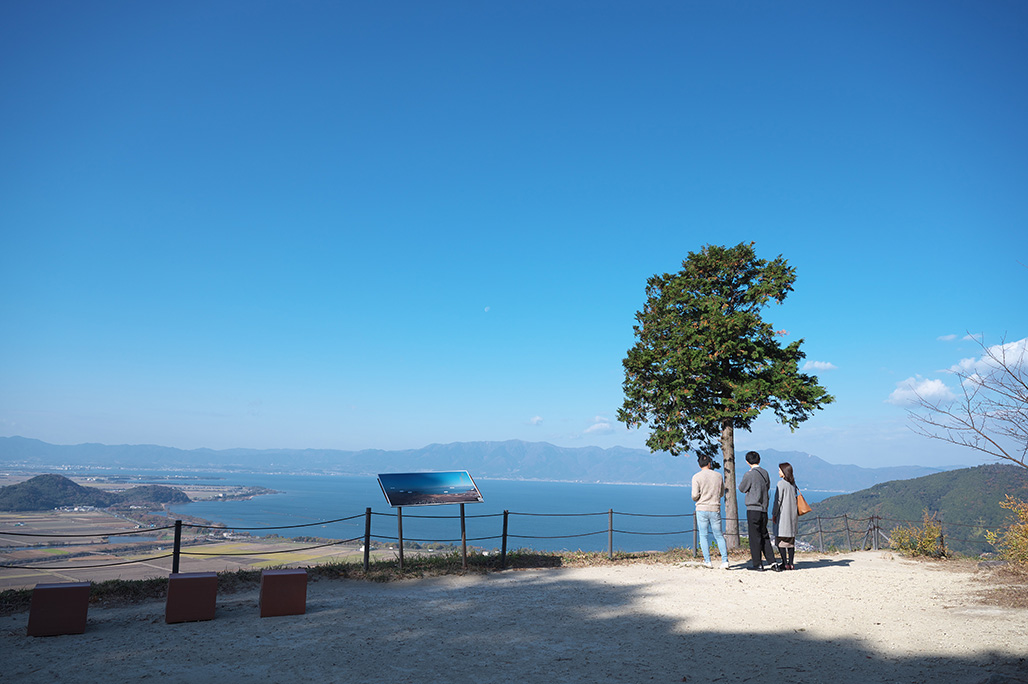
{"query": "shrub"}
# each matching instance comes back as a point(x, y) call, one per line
point(1012, 542)
point(920, 541)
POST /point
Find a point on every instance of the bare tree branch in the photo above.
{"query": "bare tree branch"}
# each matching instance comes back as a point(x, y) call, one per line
point(992, 415)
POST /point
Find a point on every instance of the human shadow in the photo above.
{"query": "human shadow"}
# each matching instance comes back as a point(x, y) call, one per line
point(814, 564)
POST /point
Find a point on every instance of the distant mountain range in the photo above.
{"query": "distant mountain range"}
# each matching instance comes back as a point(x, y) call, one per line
point(497, 460)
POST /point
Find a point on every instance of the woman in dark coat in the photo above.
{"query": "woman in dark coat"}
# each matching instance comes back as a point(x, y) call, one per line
point(785, 515)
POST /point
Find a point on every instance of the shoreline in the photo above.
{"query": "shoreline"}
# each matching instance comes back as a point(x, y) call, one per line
point(82, 472)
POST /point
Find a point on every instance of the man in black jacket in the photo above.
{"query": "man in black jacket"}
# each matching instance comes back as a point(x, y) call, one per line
point(756, 485)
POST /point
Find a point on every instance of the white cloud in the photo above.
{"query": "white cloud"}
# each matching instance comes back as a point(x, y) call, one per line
point(946, 338)
point(911, 390)
point(966, 366)
point(819, 365)
point(601, 425)
point(1012, 354)
point(487, 309)
point(535, 420)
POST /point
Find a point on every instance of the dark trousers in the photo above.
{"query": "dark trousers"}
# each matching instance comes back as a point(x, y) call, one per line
point(760, 540)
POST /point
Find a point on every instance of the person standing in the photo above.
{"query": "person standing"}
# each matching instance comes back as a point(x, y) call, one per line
point(707, 489)
point(785, 515)
point(756, 485)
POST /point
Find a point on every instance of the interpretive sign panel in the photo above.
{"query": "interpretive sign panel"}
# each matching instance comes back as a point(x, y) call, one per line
point(427, 489)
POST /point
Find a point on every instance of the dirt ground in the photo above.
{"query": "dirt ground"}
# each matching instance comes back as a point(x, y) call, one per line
point(855, 618)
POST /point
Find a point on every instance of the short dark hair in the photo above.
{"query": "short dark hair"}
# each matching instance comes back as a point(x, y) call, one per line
point(752, 457)
point(703, 460)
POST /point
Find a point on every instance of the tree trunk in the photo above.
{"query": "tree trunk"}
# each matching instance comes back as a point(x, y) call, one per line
point(731, 498)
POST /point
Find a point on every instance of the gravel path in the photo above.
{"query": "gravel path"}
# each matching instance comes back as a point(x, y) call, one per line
point(854, 618)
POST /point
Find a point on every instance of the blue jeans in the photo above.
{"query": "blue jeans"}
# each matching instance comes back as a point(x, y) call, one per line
point(707, 522)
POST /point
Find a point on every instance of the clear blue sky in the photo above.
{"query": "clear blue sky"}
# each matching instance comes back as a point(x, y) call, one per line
point(383, 225)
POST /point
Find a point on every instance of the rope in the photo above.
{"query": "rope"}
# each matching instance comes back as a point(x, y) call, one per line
point(558, 536)
point(271, 553)
point(655, 515)
point(560, 515)
point(436, 541)
point(146, 530)
point(653, 534)
point(84, 567)
point(278, 527)
point(814, 521)
point(439, 517)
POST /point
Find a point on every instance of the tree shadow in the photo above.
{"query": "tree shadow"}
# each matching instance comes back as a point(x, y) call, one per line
point(530, 625)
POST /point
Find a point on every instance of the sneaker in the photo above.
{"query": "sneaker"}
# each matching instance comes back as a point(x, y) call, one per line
point(778, 568)
point(708, 564)
point(724, 565)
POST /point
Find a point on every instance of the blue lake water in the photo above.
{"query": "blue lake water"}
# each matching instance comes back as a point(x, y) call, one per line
point(543, 515)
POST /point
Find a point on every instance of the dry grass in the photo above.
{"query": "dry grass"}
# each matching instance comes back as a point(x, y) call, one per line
point(1003, 585)
point(1006, 587)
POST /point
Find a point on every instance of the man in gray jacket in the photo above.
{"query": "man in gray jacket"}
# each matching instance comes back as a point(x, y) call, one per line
point(756, 485)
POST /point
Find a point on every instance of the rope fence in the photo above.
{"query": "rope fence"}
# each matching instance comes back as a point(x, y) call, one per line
point(870, 532)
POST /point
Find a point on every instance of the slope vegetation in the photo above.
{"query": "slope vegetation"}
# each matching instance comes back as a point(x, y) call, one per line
point(45, 492)
point(966, 500)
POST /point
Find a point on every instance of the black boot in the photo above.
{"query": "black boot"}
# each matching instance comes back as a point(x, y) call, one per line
point(778, 567)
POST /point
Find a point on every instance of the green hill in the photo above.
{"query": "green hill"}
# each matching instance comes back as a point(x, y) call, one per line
point(46, 492)
point(966, 500)
point(152, 494)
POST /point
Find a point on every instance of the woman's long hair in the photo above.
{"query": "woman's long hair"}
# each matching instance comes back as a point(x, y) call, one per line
point(786, 469)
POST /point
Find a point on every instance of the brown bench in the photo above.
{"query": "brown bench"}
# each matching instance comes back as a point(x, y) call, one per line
point(191, 597)
point(59, 609)
point(283, 592)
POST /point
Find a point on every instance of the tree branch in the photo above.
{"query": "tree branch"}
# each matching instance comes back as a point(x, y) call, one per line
point(992, 415)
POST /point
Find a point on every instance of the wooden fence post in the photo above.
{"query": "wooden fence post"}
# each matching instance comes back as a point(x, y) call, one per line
point(178, 547)
point(849, 539)
point(463, 541)
point(367, 539)
point(503, 548)
point(610, 534)
point(399, 532)
point(695, 532)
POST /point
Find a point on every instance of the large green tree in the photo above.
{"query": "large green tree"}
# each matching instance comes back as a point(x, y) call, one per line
point(705, 363)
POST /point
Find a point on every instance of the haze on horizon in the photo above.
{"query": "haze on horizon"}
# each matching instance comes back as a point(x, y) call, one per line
point(349, 227)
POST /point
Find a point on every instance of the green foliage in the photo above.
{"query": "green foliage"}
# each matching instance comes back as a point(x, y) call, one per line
point(152, 494)
point(704, 358)
point(968, 501)
point(921, 540)
point(46, 492)
point(1012, 542)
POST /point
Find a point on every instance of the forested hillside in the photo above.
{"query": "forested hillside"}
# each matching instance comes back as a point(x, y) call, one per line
point(46, 492)
point(966, 500)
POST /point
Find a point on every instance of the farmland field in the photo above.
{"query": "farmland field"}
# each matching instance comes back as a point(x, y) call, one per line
point(145, 553)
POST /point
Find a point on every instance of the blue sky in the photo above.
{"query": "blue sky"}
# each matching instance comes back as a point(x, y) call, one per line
point(384, 225)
